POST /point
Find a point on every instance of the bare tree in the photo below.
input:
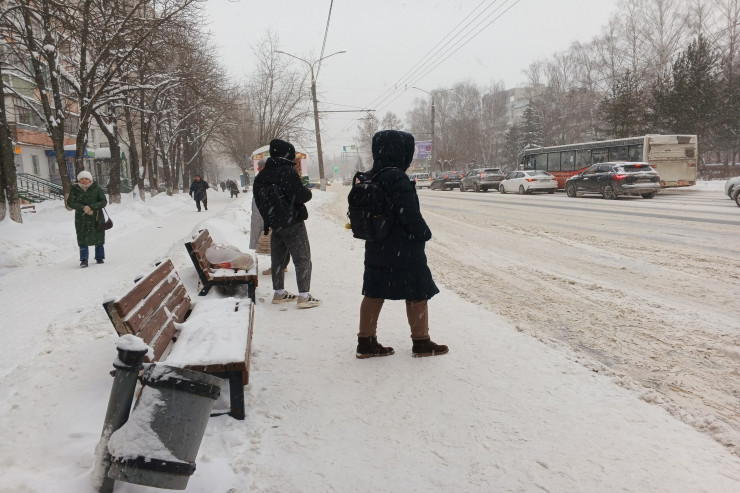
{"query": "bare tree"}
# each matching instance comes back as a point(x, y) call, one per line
point(34, 31)
point(665, 33)
point(364, 134)
point(391, 121)
point(9, 199)
point(278, 95)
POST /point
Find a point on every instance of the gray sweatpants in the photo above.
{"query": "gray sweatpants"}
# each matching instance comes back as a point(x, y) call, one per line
point(291, 241)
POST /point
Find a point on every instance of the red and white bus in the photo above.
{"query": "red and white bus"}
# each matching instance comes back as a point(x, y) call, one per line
point(673, 157)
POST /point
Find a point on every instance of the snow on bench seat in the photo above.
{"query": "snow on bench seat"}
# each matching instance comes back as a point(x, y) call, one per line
point(212, 336)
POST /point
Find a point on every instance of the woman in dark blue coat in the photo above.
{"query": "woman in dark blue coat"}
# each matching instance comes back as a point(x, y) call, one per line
point(396, 267)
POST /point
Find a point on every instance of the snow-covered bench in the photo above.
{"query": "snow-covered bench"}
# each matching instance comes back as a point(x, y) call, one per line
point(217, 277)
point(213, 335)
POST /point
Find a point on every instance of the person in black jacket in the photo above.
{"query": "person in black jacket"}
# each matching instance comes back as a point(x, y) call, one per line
point(234, 189)
point(396, 267)
point(198, 192)
point(280, 197)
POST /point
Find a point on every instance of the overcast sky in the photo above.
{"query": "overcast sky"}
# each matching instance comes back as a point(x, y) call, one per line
point(386, 39)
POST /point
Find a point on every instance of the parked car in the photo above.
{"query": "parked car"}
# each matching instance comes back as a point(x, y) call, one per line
point(482, 179)
point(421, 179)
point(614, 179)
point(731, 185)
point(528, 181)
point(447, 181)
point(736, 195)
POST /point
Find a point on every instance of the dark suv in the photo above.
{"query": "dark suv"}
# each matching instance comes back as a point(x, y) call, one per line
point(614, 179)
point(482, 179)
point(447, 181)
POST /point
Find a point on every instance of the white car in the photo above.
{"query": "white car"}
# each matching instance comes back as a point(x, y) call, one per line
point(528, 181)
point(731, 185)
point(735, 194)
point(421, 180)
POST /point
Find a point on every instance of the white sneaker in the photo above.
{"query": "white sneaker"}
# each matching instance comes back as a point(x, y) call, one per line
point(308, 301)
point(283, 298)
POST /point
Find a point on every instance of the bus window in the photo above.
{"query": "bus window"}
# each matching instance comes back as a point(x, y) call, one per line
point(540, 161)
point(635, 153)
point(600, 155)
point(568, 160)
point(583, 159)
point(618, 153)
point(553, 162)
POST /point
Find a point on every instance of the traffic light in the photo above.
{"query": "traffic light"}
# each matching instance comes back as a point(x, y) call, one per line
point(336, 168)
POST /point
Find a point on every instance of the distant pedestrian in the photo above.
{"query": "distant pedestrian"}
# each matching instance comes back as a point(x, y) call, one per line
point(198, 191)
point(396, 267)
point(234, 188)
point(223, 186)
point(87, 199)
point(280, 197)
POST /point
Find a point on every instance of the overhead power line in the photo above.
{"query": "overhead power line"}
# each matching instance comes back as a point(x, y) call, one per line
point(431, 52)
point(441, 57)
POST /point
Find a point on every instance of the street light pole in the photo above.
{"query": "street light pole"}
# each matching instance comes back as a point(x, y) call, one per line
point(322, 178)
point(433, 146)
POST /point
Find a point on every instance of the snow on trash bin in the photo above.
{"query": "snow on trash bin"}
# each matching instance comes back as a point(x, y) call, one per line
point(158, 444)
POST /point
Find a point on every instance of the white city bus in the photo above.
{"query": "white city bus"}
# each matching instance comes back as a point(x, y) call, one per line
point(673, 157)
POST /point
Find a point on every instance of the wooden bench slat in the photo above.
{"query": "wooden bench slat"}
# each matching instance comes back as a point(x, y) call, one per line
point(159, 345)
point(181, 309)
point(164, 291)
point(151, 327)
point(129, 301)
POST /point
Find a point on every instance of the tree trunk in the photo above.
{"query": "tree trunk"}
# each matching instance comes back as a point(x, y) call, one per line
point(133, 155)
point(114, 179)
point(9, 200)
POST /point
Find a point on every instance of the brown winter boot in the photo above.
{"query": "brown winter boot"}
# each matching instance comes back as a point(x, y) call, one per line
point(368, 347)
point(425, 347)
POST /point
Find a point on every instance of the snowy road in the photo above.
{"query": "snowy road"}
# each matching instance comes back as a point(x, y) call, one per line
point(645, 291)
point(642, 289)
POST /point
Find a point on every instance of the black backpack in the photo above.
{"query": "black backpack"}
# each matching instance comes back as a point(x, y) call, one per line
point(370, 213)
point(274, 207)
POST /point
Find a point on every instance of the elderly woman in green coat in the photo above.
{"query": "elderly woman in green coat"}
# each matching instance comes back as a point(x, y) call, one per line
point(87, 199)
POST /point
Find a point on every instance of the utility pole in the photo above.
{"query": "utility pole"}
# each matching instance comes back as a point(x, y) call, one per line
point(322, 178)
point(433, 146)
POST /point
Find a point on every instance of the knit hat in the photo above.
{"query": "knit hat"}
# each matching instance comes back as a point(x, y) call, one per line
point(280, 148)
point(84, 174)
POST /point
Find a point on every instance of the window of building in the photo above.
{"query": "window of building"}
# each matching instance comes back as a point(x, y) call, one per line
point(35, 162)
point(71, 124)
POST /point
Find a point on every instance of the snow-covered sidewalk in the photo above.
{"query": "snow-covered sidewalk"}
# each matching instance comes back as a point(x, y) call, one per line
point(500, 412)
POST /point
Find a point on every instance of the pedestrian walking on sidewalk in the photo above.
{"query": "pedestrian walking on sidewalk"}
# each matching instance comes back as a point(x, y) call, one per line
point(87, 199)
point(280, 197)
point(198, 191)
point(396, 266)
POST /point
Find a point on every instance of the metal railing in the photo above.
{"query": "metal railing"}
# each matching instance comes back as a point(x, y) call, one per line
point(35, 189)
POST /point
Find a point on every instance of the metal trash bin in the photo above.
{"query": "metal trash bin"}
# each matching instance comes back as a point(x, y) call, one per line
point(159, 443)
